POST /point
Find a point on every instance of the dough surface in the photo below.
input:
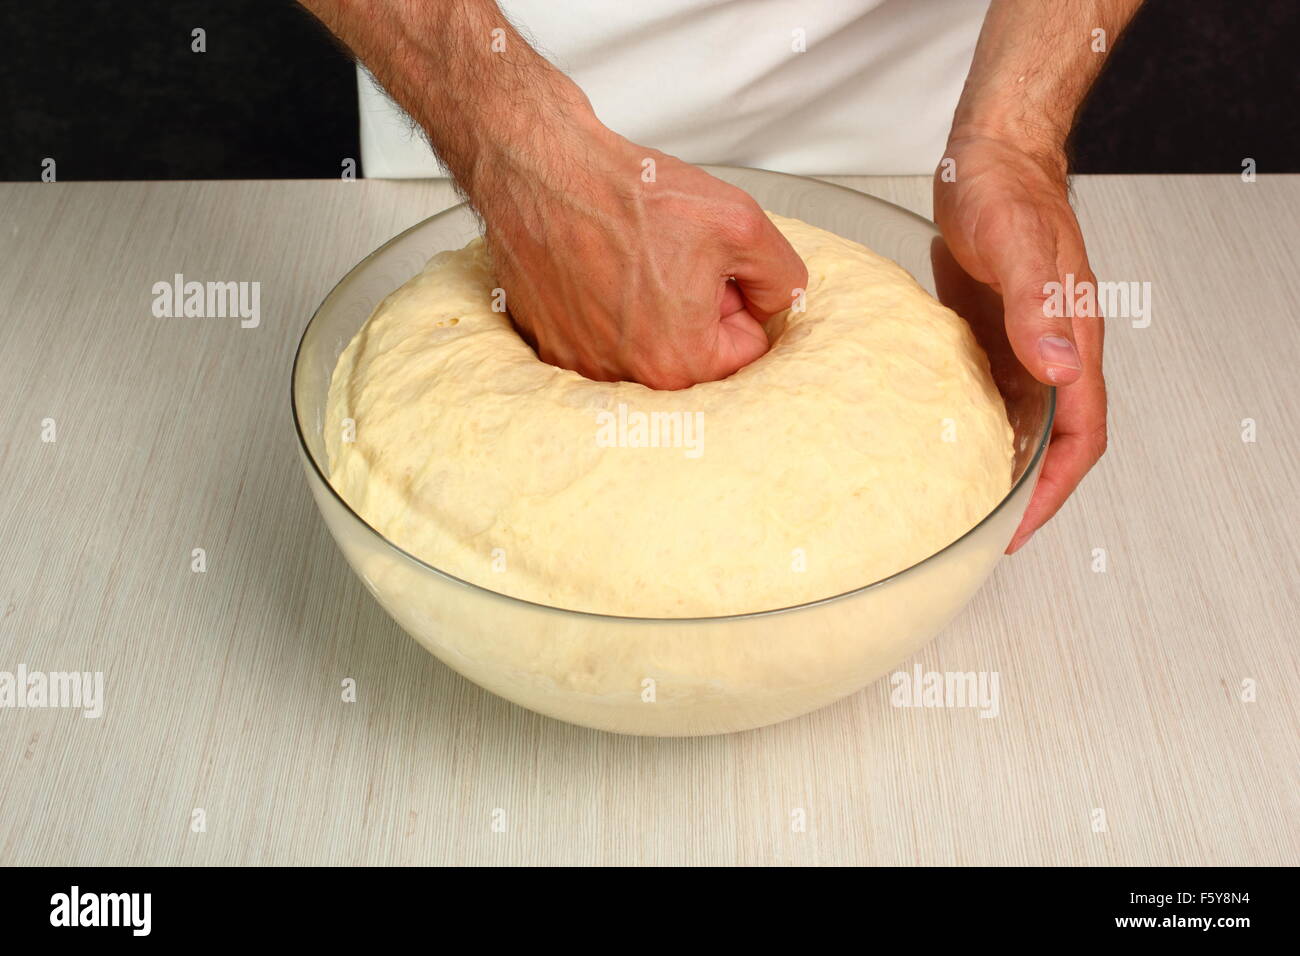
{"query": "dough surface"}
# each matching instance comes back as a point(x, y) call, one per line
point(870, 436)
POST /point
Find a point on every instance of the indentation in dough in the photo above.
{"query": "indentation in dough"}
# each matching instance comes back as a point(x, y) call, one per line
point(821, 467)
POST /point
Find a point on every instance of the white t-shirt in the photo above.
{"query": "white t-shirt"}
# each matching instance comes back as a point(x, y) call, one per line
point(798, 86)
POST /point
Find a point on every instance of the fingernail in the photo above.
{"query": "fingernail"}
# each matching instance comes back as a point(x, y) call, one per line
point(1059, 351)
point(1019, 543)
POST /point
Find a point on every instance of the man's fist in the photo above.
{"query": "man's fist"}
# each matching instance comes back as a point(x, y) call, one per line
point(623, 263)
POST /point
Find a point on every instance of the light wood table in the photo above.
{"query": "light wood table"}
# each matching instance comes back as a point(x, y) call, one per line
point(1121, 691)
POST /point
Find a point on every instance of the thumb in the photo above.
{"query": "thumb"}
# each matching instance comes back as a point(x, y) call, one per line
point(1020, 250)
point(740, 340)
point(767, 270)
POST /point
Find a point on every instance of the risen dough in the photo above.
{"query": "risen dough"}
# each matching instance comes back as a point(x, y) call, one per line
point(869, 437)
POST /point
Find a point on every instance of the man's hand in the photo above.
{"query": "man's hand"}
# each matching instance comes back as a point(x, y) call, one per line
point(1006, 215)
point(1008, 223)
point(617, 261)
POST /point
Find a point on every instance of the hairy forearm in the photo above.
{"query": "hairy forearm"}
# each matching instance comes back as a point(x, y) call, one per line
point(483, 96)
point(1034, 64)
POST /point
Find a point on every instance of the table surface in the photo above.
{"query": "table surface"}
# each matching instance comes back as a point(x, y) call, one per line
point(1149, 712)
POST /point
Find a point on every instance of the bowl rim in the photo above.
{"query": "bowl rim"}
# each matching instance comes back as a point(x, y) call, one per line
point(1029, 471)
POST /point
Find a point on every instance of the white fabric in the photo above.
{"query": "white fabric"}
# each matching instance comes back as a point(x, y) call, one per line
point(719, 81)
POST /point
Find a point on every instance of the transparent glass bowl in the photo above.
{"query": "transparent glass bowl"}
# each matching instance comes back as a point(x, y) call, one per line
point(663, 676)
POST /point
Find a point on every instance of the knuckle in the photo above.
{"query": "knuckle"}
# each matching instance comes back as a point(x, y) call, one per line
point(800, 271)
point(1099, 440)
point(646, 367)
point(666, 368)
point(745, 224)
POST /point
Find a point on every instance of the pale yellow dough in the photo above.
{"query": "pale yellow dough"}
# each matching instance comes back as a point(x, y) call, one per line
point(868, 438)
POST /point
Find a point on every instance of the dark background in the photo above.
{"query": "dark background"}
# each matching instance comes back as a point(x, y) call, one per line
point(112, 91)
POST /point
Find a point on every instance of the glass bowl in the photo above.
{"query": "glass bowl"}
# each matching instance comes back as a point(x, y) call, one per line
point(662, 676)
